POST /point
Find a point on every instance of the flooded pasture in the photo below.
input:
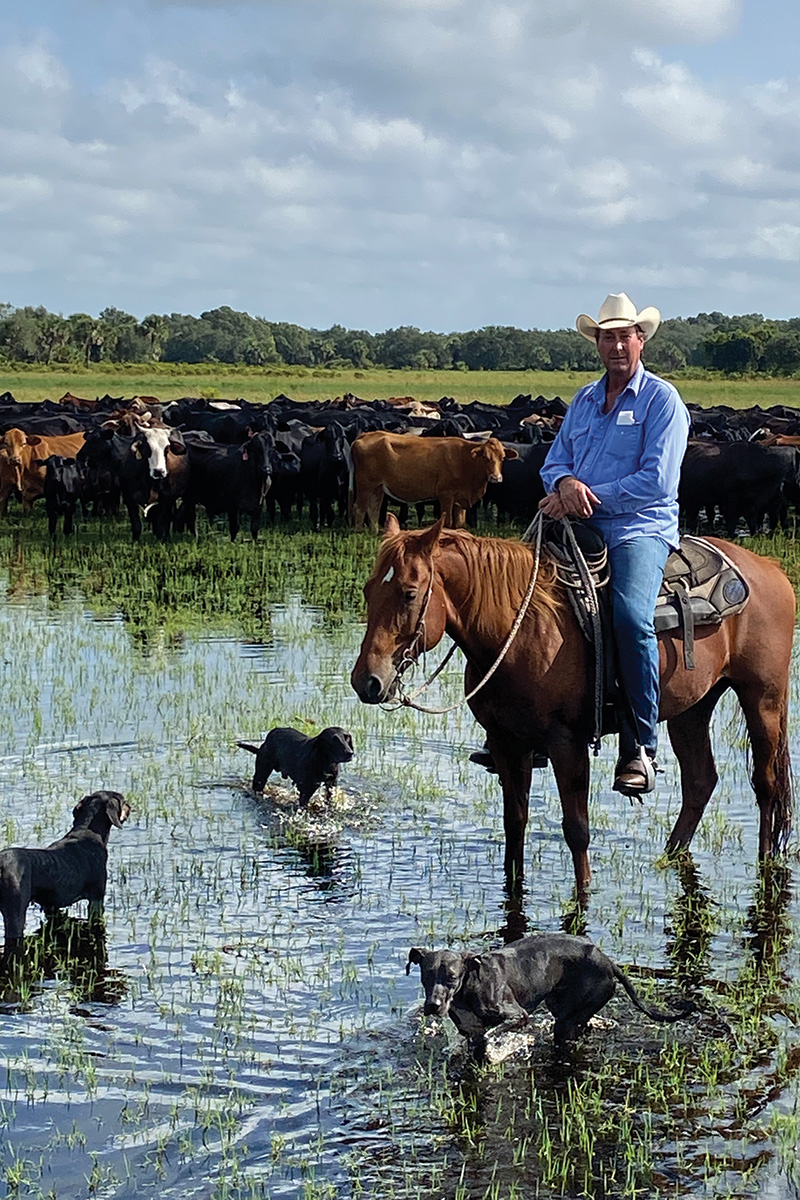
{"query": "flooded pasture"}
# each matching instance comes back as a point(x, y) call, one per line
point(244, 1026)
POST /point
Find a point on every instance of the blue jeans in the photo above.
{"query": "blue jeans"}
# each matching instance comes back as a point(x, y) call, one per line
point(637, 568)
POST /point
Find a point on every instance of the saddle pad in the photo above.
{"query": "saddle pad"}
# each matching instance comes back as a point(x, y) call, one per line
point(713, 584)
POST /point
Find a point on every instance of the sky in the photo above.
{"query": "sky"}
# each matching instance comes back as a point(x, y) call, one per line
point(447, 164)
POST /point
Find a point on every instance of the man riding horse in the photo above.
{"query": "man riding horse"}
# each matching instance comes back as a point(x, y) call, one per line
point(617, 460)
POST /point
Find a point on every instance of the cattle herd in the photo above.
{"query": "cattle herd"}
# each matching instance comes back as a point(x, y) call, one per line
point(346, 458)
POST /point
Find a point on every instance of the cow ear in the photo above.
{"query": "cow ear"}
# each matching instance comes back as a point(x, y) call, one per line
point(392, 525)
point(33, 439)
point(429, 537)
point(511, 452)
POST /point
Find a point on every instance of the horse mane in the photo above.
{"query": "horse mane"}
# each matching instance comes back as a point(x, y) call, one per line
point(499, 570)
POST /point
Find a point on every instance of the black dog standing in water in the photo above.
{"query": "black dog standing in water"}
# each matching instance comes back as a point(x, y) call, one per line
point(569, 974)
point(71, 869)
point(307, 761)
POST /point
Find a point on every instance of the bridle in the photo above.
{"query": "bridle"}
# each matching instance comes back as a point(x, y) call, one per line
point(412, 651)
point(410, 654)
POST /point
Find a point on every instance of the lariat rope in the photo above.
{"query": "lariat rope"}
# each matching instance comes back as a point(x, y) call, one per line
point(533, 534)
point(592, 601)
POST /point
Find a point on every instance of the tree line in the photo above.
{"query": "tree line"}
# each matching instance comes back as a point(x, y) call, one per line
point(711, 341)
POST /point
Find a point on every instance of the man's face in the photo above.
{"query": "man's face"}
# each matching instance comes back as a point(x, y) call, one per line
point(620, 349)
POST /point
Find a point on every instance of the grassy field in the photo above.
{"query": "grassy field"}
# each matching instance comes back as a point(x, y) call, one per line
point(170, 382)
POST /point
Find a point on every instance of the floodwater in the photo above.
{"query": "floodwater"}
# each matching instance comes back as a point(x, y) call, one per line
point(245, 1026)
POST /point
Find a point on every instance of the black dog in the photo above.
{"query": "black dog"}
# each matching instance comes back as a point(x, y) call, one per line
point(481, 991)
point(73, 868)
point(307, 761)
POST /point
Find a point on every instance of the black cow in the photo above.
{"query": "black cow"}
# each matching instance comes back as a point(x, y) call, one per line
point(149, 468)
point(230, 425)
point(63, 488)
point(517, 496)
point(741, 479)
point(325, 473)
point(228, 479)
point(286, 492)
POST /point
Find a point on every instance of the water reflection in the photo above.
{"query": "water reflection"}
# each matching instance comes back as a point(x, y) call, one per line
point(769, 930)
point(66, 949)
point(690, 926)
point(309, 841)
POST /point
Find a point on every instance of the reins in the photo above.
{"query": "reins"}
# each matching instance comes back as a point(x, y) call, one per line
point(534, 534)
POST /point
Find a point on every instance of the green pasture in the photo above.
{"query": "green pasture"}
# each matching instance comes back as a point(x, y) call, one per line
point(260, 384)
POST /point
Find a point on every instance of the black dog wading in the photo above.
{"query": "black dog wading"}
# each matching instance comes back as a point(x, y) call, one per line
point(570, 975)
point(307, 761)
point(71, 869)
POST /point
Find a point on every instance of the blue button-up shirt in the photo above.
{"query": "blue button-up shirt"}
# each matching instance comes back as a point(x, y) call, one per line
point(630, 458)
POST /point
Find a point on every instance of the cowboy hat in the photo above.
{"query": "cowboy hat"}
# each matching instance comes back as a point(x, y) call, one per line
point(619, 312)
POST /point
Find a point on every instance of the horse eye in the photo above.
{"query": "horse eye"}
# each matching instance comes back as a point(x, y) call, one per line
point(409, 595)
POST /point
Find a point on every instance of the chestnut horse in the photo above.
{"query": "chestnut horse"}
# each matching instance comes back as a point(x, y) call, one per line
point(435, 581)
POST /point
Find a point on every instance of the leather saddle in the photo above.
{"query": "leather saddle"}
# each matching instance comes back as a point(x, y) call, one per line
point(701, 586)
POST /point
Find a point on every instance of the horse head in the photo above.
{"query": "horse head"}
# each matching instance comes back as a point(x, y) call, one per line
point(406, 610)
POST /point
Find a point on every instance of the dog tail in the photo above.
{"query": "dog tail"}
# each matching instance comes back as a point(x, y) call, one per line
point(249, 746)
point(657, 1014)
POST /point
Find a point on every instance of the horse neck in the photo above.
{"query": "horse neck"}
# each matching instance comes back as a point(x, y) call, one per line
point(480, 629)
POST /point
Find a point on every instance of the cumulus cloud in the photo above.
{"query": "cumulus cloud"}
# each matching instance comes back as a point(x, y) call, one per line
point(442, 163)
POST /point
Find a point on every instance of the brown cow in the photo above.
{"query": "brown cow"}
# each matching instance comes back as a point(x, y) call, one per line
point(452, 470)
point(22, 463)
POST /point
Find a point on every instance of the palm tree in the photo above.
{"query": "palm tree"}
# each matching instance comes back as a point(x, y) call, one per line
point(53, 333)
point(156, 330)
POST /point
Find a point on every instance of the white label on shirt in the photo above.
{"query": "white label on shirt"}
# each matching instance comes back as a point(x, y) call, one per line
point(625, 417)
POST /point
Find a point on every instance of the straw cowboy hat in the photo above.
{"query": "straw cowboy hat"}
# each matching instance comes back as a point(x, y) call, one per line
point(619, 312)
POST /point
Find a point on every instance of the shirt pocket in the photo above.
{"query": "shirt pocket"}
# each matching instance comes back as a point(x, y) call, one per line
point(624, 443)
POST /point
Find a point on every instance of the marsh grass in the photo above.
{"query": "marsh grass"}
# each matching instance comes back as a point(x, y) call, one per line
point(245, 1027)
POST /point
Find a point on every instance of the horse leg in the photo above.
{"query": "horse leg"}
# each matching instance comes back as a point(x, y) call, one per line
point(691, 741)
point(764, 709)
point(571, 768)
point(515, 770)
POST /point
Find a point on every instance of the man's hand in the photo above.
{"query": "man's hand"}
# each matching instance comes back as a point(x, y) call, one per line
point(573, 499)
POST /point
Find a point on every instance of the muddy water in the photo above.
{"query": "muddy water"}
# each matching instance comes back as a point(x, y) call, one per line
point(245, 1026)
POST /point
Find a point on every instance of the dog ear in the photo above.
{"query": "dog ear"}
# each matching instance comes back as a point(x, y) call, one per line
point(472, 962)
point(81, 805)
point(117, 808)
point(414, 956)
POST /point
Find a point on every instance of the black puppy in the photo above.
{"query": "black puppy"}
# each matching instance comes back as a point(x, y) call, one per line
point(307, 761)
point(71, 869)
point(569, 974)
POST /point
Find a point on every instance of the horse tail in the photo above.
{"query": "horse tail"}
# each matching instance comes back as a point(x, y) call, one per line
point(656, 1014)
point(783, 803)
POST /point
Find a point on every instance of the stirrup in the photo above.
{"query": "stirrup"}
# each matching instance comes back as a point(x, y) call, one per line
point(637, 776)
point(483, 758)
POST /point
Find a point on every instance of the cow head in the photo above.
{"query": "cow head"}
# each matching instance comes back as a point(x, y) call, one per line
point(153, 444)
point(14, 440)
point(492, 453)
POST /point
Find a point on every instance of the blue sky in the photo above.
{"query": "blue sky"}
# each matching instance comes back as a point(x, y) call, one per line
point(441, 163)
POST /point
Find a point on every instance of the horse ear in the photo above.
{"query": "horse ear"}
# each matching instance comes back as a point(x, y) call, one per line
point(392, 525)
point(429, 537)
